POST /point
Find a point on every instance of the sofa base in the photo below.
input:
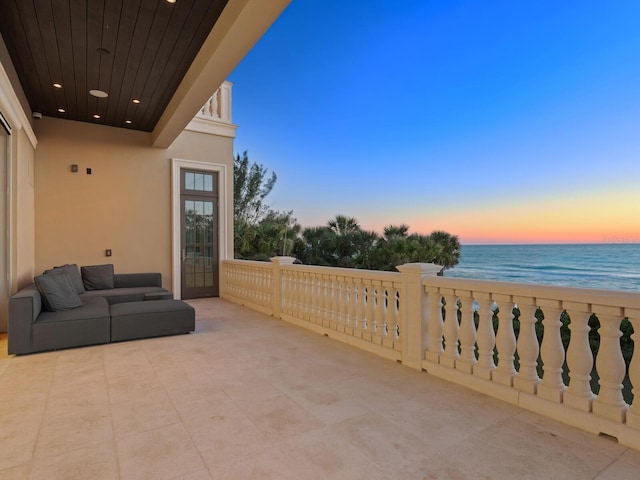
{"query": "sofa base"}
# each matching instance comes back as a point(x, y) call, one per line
point(134, 320)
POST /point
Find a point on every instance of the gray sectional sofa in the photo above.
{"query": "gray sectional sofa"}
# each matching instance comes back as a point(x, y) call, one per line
point(84, 309)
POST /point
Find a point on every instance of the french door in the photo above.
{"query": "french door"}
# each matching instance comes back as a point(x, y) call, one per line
point(199, 234)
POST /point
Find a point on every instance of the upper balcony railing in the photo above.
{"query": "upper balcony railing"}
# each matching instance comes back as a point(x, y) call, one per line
point(215, 116)
point(552, 350)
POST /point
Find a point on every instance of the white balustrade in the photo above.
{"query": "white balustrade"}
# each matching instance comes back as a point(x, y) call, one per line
point(400, 316)
point(218, 107)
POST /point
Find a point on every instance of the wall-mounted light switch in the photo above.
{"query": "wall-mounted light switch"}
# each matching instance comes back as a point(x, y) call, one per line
point(74, 168)
point(108, 252)
point(88, 171)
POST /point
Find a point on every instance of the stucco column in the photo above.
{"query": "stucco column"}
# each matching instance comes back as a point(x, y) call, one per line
point(276, 283)
point(413, 311)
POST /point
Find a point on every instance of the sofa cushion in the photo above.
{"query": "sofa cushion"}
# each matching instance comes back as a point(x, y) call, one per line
point(97, 277)
point(87, 325)
point(92, 307)
point(120, 295)
point(74, 274)
point(151, 319)
point(57, 292)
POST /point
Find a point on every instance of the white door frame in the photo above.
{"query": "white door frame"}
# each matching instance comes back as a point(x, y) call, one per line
point(176, 165)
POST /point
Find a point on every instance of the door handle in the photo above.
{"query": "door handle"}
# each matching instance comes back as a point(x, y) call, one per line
point(184, 254)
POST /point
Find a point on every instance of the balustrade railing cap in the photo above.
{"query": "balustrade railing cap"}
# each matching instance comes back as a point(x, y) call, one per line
point(283, 260)
point(422, 268)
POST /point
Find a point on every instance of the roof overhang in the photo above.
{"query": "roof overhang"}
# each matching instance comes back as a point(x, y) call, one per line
point(240, 26)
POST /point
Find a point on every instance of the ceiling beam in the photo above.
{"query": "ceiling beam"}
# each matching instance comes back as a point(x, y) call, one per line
point(241, 25)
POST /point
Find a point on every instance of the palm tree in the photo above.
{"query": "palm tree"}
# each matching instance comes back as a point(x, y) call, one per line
point(449, 254)
point(316, 246)
point(346, 231)
point(343, 225)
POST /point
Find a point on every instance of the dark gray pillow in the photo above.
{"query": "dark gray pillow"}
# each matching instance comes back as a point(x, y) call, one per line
point(97, 277)
point(57, 292)
point(74, 275)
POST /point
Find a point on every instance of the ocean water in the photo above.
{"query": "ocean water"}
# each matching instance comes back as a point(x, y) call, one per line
point(609, 266)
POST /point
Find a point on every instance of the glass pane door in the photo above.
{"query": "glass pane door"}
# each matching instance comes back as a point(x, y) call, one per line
point(199, 235)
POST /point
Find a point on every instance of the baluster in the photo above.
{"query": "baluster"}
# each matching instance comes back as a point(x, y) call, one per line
point(353, 305)
point(316, 299)
point(261, 277)
point(633, 415)
point(332, 304)
point(322, 294)
point(505, 342)
point(322, 297)
point(467, 334)
point(295, 306)
point(351, 292)
point(246, 292)
point(307, 286)
point(248, 283)
point(299, 295)
point(397, 325)
point(370, 300)
point(436, 325)
point(327, 318)
point(390, 313)
point(317, 296)
point(361, 300)
point(528, 348)
point(302, 286)
point(552, 386)
point(486, 337)
point(284, 293)
point(379, 314)
point(344, 305)
point(610, 366)
point(451, 330)
point(579, 360)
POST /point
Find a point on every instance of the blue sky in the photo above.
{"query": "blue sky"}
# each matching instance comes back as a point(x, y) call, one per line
point(501, 121)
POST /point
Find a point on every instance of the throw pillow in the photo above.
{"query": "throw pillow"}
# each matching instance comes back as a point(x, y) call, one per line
point(74, 274)
point(57, 292)
point(97, 277)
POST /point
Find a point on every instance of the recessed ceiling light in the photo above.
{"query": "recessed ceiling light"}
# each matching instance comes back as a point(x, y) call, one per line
point(171, 1)
point(99, 93)
point(61, 110)
point(128, 122)
point(136, 101)
point(96, 116)
point(57, 85)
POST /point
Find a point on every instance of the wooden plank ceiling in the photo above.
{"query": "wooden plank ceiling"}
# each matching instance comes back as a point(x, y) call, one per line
point(131, 49)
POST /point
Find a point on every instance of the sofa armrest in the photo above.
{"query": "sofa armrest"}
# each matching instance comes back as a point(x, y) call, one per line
point(24, 308)
point(131, 280)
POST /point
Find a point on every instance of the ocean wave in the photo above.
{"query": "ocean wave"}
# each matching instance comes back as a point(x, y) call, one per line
point(615, 267)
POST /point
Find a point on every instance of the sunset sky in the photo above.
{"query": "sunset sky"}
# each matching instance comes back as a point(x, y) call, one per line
point(500, 122)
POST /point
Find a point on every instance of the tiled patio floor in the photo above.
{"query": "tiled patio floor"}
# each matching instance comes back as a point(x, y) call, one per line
point(249, 397)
